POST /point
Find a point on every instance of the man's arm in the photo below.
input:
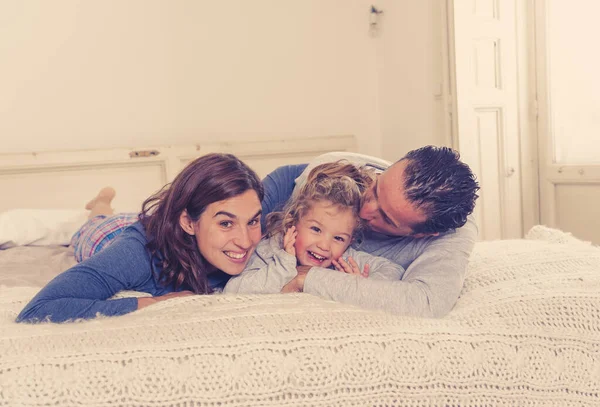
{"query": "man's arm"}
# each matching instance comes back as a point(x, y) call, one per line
point(279, 186)
point(430, 286)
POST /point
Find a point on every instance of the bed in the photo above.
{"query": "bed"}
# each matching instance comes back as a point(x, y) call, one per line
point(525, 332)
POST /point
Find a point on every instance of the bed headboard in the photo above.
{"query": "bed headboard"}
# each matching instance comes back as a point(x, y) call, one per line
point(67, 179)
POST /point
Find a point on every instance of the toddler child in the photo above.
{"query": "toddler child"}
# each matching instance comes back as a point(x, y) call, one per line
point(314, 229)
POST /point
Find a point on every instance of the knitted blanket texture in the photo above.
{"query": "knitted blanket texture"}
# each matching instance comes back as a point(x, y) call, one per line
point(525, 332)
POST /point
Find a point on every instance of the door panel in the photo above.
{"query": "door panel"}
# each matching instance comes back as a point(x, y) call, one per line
point(485, 33)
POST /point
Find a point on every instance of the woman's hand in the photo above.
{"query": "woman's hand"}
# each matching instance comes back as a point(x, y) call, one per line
point(146, 301)
point(289, 240)
point(350, 267)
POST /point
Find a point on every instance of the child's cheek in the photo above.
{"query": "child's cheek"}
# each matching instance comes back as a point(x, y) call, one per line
point(340, 251)
point(299, 245)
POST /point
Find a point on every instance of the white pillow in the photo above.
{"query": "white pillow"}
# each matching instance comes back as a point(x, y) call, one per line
point(39, 227)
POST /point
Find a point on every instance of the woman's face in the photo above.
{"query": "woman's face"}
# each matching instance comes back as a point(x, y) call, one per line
point(228, 231)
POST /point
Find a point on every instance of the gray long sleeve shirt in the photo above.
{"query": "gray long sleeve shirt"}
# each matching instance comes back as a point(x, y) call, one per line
point(271, 267)
point(435, 266)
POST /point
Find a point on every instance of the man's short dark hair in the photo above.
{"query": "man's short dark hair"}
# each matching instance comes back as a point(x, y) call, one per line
point(440, 185)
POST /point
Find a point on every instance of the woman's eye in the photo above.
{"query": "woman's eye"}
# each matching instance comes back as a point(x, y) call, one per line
point(254, 222)
point(226, 224)
point(315, 229)
point(340, 239)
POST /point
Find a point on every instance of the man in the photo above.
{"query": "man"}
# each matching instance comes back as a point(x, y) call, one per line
point(417, 211)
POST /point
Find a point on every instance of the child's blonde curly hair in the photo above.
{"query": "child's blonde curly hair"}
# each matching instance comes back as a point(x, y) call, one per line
point(340, 183)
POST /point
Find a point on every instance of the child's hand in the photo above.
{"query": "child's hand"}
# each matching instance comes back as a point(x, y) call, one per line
point(289, 240)
point(350, 267)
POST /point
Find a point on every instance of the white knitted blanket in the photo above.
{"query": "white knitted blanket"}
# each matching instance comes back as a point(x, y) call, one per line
point(525, 332)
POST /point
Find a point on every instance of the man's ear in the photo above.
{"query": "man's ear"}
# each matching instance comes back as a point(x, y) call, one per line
point(186, 223)
point(420, 235)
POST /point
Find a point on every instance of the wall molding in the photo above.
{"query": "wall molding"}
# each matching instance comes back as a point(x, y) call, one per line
point(67, 179)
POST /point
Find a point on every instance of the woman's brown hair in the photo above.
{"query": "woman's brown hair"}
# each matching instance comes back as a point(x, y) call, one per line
point(207, 179)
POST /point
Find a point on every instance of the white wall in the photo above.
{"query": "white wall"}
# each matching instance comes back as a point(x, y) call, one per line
point(112, 73)
point(410, 75)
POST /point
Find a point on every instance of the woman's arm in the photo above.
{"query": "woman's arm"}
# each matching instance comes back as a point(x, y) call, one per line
point(83, 290)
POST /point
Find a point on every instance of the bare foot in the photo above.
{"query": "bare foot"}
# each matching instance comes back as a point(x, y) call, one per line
point(100, 205)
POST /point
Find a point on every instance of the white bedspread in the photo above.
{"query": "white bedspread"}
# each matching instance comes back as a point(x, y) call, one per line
point(27, 266)
point(526, 331)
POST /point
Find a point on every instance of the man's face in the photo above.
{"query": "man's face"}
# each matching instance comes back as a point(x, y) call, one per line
point(385, 207)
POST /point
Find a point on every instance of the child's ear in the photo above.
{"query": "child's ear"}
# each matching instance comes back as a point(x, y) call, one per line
point(186, 223)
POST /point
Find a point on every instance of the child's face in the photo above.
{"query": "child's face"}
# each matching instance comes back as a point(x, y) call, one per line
point(324, 233)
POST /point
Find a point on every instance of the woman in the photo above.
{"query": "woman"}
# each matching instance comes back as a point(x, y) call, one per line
point(191, 236)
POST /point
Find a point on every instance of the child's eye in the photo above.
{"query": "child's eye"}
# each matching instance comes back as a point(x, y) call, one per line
point(315, 229)
point(340, 239)
point(226, 224)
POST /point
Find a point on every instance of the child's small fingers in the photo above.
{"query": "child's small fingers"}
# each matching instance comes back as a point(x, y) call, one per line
point(340, 265)
point(353, 265)
point(365, 272)
point(345, 265)
point(290, 236)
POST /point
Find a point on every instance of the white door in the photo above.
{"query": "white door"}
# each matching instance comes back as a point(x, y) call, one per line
point(568, 87)
point(487, 126)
